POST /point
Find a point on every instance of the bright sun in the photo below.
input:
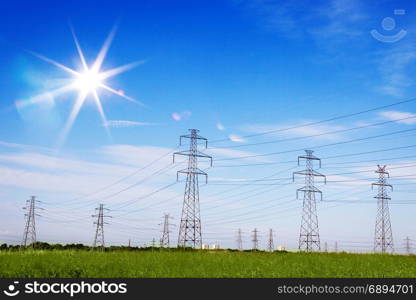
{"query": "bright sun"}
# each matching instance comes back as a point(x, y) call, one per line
point(88, 81)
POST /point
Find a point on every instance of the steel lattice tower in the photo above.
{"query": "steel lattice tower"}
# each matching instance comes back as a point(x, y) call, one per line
point(165, 241)
point(29, 233)
point(239, 240)
point(99, 232)
point(270, 244)
point(309, 229)
point(255, 239)
point(383, 238)
point(408, 245)
point(190, 234)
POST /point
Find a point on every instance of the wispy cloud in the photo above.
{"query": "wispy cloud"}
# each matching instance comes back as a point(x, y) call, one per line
point(178, 116)
point(398, 115)
point(48, 173)
point(235, 138)
point(319, 131)
point(125, 123)
point(135, 155)
point(394, 68)
point(220, 127)
point(338, 19)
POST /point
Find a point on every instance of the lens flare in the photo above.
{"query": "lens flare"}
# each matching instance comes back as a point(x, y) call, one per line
point(86, 81)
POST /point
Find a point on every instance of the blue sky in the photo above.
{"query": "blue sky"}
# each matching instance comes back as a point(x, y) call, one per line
point(228, 68)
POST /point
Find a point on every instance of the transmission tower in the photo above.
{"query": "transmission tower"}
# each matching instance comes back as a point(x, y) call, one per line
point(309, 230)
point(99, 232)
point(164, 241)
point(29, 233)
point(239, 240)
point(190, 227)
point(270, 244)
point(383, 238)
point(326, 247)
point(408, 245)
point(255, 239)
point(336, 247)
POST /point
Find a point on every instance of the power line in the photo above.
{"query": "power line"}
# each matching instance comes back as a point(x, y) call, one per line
point(322, 121)
point(319, 134)
point(122, 179)
point(320, 146)
point(160, 171)
point(328, 157)
point(130, 202)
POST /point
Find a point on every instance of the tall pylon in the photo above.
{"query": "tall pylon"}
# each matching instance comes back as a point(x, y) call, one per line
point(255, 239)
point(99, 232)
point(190, 233)
point(309, 229)
point(270, 244)
point(29, 233)
point(336, 246)
point(408, 245)
point(383, 237)
point(239, 240)
point(165, 240)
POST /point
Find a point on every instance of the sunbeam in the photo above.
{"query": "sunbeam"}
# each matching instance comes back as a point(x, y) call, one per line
point(86, 81)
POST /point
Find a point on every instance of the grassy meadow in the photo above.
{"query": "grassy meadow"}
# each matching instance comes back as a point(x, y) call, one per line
point(163, 264)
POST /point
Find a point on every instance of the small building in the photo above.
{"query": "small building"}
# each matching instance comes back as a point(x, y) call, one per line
point(215, 246)
point(205, 246)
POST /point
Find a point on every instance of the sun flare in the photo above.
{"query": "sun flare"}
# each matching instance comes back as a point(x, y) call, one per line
point(86, 81)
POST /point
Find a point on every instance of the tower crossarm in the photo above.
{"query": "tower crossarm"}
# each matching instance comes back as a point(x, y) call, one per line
point(308, 173)
point(382, 185)
point(194, 136)
point(196, 154)
point(308, 189)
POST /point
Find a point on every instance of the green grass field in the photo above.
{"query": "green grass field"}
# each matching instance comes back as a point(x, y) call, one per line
point(72, 263)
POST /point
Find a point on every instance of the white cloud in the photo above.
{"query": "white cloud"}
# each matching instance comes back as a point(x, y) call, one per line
point(235, 138)
point(394, 67)
point(336, 20)
point(220, 126)
point(409, 118)
point(53, 163)
point(178, 116)
point(46, 172)
point(125, 123)
point(136, 155)
point(341, 18)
